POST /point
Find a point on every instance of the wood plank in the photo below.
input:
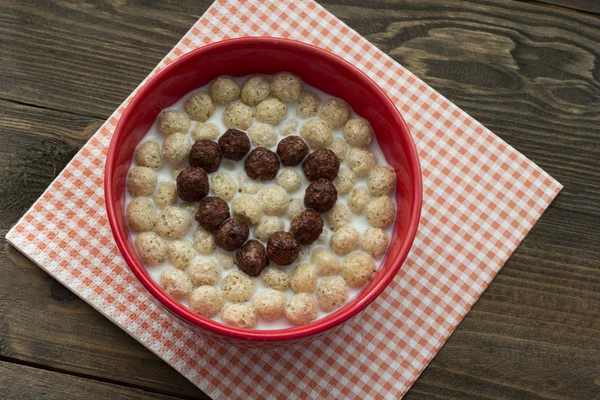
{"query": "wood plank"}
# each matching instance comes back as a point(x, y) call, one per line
point(590, 6)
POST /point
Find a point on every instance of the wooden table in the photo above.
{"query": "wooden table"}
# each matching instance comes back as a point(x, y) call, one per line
point(530, 71)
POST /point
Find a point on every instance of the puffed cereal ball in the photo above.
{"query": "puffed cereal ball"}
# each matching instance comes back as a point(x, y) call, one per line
point(262, 135)
point(308, 105)
point(224, 90)
point(338, 217)
point(192, 184)
point(205, 132)
point(295, 207)
point(332, 293)
point(248, 185)
point(165, 195)
point(268, 226)
point(291, 126)
point(359, 198)
point(275, 278)
point(360, 161)
point(234, 144)
point(316, 133)
point(286, 87)
point(176, 148)
point(224, 259)
point(345, 240)
point(382, 181)
point(176, 283)
point(301, 309)
point(269, 304)
point(203, 272)
point(326, 262)
point(239, 315)
point(357, 269)
point(171, 121)
point(380, 212)
point(232, 234)
point(147, 154)
point(180, 253)
point(141, 181)
point(344, 181)
point(141, 214)
point(199, 106)
point(223, 185)
point(237, 287)
point(340, 148)
point(270, 111)
point(252, 257)
point(206, 301)
point(374, 241)
point(204, 241)
point(289, 179)
point(335, 112)
point(304, 278)
point(255, 90)
point(151, 248)
point(273, 201)
point(238, 115)
point(173, 223)
point(358, 132)
point(246, 208)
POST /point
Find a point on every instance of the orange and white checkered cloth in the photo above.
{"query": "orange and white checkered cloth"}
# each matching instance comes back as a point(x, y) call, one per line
point(481, 197)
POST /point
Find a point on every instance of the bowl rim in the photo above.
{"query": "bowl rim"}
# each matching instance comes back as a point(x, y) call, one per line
point(320, 325)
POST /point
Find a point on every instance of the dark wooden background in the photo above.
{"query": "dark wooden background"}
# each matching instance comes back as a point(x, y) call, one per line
point(530, 71)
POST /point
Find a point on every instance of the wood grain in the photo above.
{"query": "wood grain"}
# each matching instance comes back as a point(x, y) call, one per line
point(589, 6)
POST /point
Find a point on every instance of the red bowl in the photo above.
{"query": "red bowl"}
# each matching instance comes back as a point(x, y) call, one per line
point(317, 67)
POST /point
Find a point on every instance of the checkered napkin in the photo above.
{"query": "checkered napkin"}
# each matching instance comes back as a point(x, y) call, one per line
point(481, 197)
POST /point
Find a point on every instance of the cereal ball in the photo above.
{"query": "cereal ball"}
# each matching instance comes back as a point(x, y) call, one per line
point(380, 212)
point(344, 181)
point(204, 241)
point(247, 185)
point(141, 214)
point(203, 272)
point(269, 304)
point(171, 121)
point(295, 207)
point(374, 241)
point(345, 240)
point(223, 185)
point(304, 278)
point(224, 259)
point(332, 293)
point(238, 115)
point(357, 269)
point(189, 207)
point(338, 217)
point(308, 105)
point(382, 181)
point(176, 148)
point(261, 164)
point(270, 111)
point(224, 90)
point(282, 248)
point(147, 154)
point(237, 287)
point(206, 155)
point(316, 133)
point(358, 132)
point(289, 179)
point(358, 200)
point(232, 234)
point(205, 132)
point(206, 301)
point(192, 184)
point(141, 181)
point(199, 106)
point(268, 226)
point(176, 283)
point(252, 258)
point(234, 144)
point(301, 309)
point(320, 195)
point(247, 209)
point(286, 87)
point(335, 112)
point(151, 248)
point(360, 161)
point(275, 278)
point(273, 201)
point(306, 227)
point(212, 212)
point(324, 237)
point(263, 135)
point(239, 315)
point(292, 150)
point(340, 148)
point(180, 253)
point(255, 90)
point(165, 195)
point(321, 163)
point(289, 127)
point(326, 262)
point(173, 223)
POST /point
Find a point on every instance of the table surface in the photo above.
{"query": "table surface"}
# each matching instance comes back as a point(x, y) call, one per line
point(529, 71)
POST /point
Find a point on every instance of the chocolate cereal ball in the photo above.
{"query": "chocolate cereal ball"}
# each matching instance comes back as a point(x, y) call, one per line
point(340, 148)
point(360, 161)
point(306, 227)
point(224, 90)
point(282, 248)
point(180, 253)
point(203, 272)
point(301, 309)
point(239, 315)
point(269, 304)
point(206, 301)
point(344, 181)
point(205, 131)
point(321, 163)
point(173, 223)
point(357, 269)
point(212, 212)
point(381, 181)
point(141, 181)
point(308, 105)
point(171, 121)
point(192, 184)
point(316, 133)
point(332, 293)
point(238, 115)
point(151, 248)
point(204, 241)
point(232, 234)
point(380, 212)
point(261, 164)
point(358, 200)
point(176, 148)
point(199, 106)
point(289, 180)
point(292, 150)
point(304, 278)
point(270, 111)
point(326, 262)
point(252, 258)
point(237, 287)
point(206, 155)
point(374, 241)
point(320, 195)
point(141, 215)
point(286, 87)
point(273, 201)
point(275, 278)
point(255, 90)
point(247, 209)
point(338, 217)
point(234, 144)
point(263, 135)
point(268, 226)
point(345, 240)
point(223, 185)
point(358, 132)
point(147, 154)
point(165, 195)
point(335, 112)
point(176, 283)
